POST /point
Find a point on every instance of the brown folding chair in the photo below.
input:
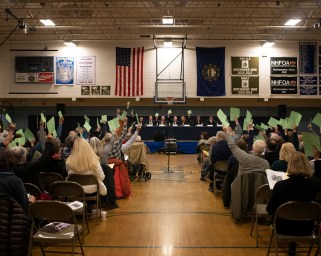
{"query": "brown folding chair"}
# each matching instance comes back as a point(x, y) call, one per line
point(69, 192)
point(220, 166)
point(47, 178)
point(54, 211)
point(297, 211)
point(85, 180)
point(262, 196)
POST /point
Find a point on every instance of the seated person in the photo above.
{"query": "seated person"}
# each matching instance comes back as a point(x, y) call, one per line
point(286, 150)
point(210, 121)
point(272, 151)
point(298, 187)
point(175, 121)
point(162, 122)
point(141, 121)
point(198, 121)
point(184, 122)
point(150, 121)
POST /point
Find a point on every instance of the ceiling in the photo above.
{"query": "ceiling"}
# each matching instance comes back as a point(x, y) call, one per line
point(86, 20)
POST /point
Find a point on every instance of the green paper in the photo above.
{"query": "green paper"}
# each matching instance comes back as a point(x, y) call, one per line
point(137, 119)
point(87, 126)
point(123, 115)
point(8, 118)
point(294, 119)
point(132, 125)
point(78, 125)
point(51, 125)
point(273, 122)
point(21, 141)
point(54, 133)
point(264, 126)
point(309, 140)
point(189, 112)
point(225, 123)
point(60, 114)
point(29, 135)
point(317, 120)
point(20, 132)
point(43, 118)
point(221, 116)
point(247, 120)
point(103, 118)
point(234, 113)
point(169, 112)
point(12, 144)
point(259, 137)
point(87, 119)
point(113, 124)
point(156, 115)
point(259, 128)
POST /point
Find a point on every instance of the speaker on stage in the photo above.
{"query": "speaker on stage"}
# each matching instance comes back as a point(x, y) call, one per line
point(282, 110)
point(60, 107)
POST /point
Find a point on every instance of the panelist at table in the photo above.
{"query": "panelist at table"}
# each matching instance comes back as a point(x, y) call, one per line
point(210, 121)
point(175, 122)
point(162, 122)
point(184, 122)
point(150, 121)
point(198, 121)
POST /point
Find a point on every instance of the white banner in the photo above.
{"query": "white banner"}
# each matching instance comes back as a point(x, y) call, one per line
point(86, 70)
point(26, 77)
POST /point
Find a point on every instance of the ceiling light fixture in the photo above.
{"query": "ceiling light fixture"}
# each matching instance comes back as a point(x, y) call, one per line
point(292, 22)
point(70, 44)
point(47, 22)
point(268, 44)
point(168, 20)
point(168, 44)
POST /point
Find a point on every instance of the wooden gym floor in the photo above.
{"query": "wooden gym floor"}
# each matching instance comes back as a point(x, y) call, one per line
point(172, 214)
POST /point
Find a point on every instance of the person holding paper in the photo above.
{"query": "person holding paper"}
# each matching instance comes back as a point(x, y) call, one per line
point(298, 187)
point(9, 135)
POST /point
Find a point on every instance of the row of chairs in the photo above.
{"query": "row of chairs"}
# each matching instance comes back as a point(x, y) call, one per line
point(66, 192)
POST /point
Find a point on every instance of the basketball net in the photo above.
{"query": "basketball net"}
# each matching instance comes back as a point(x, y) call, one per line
point(170, 100)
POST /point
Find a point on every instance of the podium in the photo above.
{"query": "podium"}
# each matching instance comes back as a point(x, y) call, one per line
point(170, 148)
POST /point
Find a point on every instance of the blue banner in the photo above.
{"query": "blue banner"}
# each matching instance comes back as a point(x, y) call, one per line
point(210, 71)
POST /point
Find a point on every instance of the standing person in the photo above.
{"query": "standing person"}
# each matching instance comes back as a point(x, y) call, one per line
point(298, 187)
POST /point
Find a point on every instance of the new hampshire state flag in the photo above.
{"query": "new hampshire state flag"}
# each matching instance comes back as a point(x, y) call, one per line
point(210, 71)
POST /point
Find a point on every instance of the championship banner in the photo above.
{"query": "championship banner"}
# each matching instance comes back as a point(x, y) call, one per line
point(245, 85)
point(65, 67)
point(245, 66)
point(86, 70)
point(284, 65)
point(308, 80)
point(308, 90)
point(284, 85)
point(308, 57)
point(210, 71)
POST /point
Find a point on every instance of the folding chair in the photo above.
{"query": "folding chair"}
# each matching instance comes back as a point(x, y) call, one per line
point(297, 211)
point(47, 178)
point(54, 211)
point(262, 196)
point(86, 180)
point(68, 192)
point(32, 190)
point(220, 167)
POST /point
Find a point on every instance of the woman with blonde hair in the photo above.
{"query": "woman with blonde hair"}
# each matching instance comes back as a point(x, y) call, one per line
point(298, 187)
point(83, 160)
point(286, 150)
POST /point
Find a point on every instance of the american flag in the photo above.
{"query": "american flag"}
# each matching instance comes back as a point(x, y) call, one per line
point(129, 71)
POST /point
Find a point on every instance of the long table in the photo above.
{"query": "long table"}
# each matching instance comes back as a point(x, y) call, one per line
point(179, 132)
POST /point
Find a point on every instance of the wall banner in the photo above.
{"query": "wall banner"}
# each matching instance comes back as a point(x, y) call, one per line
point(284, 85)
point(245, 85)
point(308, 80)
point(308, 57)
point(308, 90)
point(65, 67)
point(86, 70)
point(245, 66)
point(284, 65)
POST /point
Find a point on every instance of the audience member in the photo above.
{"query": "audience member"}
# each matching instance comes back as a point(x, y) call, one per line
point(298, 187)
point(286, 150)
point(271, 153)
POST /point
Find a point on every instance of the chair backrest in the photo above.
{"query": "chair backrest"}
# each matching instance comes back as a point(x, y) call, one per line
point(220, 166)
point(52, 210)
point(84, 180)
point(47, 178)
point(32, 189)
point(66, 189)
point(299, 211)
point(263, 194)
point(14, 231)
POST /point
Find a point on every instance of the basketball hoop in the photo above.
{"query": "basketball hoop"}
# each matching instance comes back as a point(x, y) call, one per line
point(170, 100)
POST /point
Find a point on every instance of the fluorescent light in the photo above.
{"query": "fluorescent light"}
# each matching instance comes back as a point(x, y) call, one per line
point(47, 22)
point(168, 43)
point(292, 22)
point(70, 44)
point(168, 20)
point(268, 44)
